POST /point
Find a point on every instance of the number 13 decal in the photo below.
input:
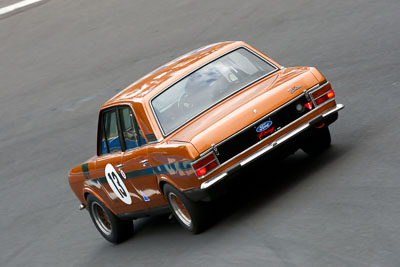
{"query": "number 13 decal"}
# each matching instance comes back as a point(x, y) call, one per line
point(117, 185)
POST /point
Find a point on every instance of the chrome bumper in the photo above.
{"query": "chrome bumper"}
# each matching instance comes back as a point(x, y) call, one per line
point(268, 148)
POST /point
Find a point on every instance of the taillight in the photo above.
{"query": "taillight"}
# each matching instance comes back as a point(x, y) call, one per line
point(205, 165)
point(330, 94)
point(322, 90)
point(323, 94)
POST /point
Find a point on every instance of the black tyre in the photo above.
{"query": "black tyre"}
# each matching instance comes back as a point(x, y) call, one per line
point(110, 226)
point(319, 141)
point(188, 213)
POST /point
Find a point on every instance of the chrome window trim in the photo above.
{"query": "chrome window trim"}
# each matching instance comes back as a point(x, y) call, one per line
point(197, 115)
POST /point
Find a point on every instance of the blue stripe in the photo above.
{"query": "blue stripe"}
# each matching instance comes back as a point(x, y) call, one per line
point(179, 166)
point(139, 173)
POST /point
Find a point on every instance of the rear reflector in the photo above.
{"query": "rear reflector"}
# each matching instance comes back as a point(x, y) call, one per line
point(309, 105)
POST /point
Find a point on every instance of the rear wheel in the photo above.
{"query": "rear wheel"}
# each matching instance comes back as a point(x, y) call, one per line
point(110, 226)
point(318, 142)
point(188, 213)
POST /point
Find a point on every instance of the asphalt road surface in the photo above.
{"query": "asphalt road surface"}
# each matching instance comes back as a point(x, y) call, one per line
point(60, 60)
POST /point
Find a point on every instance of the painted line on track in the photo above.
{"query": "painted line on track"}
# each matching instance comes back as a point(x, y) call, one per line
point(17, 6)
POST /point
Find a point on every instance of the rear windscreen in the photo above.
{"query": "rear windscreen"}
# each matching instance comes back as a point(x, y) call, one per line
point(207, 86)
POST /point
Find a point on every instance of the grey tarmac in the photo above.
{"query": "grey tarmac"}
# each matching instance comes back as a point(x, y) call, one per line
point(60, 60)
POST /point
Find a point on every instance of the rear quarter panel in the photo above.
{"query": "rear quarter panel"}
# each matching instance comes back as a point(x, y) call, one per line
point(172, 164)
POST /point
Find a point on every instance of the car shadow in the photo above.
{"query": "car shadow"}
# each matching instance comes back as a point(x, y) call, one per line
point(267, 180)
point(256, 186)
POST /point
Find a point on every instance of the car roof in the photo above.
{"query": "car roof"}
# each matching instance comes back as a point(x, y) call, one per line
point(167, 74)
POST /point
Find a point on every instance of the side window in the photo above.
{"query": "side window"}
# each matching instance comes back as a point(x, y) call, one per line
point(111, 131)
point(133, 136)
point(102, 144)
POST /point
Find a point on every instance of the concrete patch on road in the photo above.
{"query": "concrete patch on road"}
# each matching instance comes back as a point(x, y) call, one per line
point(76, 104)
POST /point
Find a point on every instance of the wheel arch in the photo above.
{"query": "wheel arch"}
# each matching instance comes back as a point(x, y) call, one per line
point(163, 180)
point(88, 191)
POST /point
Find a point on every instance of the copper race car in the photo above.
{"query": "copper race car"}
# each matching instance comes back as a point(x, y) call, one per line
point(172, 139)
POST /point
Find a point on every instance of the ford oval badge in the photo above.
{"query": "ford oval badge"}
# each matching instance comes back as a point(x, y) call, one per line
point(263, 126)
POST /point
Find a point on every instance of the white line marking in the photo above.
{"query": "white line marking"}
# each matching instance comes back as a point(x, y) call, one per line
point(16, 6)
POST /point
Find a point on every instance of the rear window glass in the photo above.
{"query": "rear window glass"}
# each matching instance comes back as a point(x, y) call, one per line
point(207, 86)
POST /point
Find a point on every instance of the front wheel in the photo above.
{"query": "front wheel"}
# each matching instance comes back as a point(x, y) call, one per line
point(188, 213)
point(318, 142)
point(110, 226)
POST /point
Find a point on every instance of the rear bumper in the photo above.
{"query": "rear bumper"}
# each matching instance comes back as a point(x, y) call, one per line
point(211, 188)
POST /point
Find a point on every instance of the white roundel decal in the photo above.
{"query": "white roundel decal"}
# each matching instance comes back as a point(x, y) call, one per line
point(117, 185)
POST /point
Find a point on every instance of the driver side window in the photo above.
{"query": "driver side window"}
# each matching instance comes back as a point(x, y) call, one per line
point(119, 131)
point(132, 134)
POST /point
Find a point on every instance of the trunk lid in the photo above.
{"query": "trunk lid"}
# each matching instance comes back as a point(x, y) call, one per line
point(244, 108)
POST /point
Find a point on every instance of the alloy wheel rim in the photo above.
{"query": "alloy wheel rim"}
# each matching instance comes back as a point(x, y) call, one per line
point(101, 218)
point(180, 209)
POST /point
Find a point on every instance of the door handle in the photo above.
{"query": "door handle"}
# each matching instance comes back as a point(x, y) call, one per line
point(144, 162)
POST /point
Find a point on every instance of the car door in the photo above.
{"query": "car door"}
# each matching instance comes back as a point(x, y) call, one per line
point(135, 160)
point(119, 193)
